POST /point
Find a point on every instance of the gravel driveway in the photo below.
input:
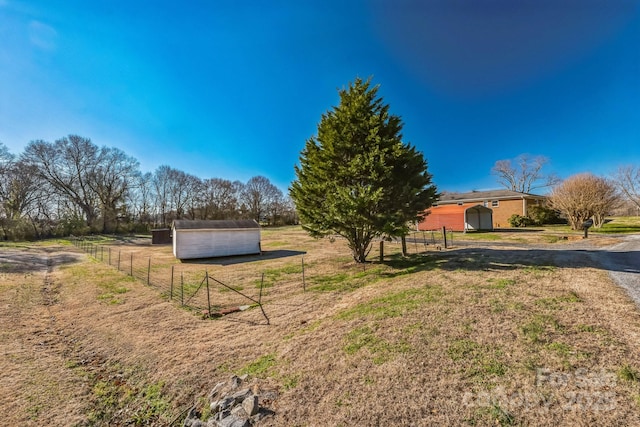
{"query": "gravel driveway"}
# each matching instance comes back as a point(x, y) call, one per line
point(622, 261)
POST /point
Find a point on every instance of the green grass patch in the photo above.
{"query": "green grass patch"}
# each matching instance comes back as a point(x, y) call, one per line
point(347, 280)
point(380, 349)
point(332, 282)
point(113, 298)
point(556, 303)
point(260, 367)
point(538, 270)
point(394, 304)
point(540, 327)
point(110, 283)
point(273, 275)
point(628, 373)
point(147, 405)
point(561, 349)
point(477, 360)
point(592, 329)
point(619, 225)
point(500, 283)
point(475, 235)
point(290, 381)
point(152, 406)
point(501, 416)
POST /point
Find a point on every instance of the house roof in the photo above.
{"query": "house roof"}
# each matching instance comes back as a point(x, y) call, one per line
point(186, 224)
point(474, 196)
point(454, 209)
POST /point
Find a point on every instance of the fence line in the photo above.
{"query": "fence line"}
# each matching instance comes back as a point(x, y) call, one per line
point(198, 299)
point(194, 291)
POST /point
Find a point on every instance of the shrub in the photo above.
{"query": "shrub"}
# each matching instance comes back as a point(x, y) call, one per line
point(543, 215)
point(516, 220)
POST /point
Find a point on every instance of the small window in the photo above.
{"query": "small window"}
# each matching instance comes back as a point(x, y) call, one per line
point(485, 204)
point(494, 204)
point(460, 203)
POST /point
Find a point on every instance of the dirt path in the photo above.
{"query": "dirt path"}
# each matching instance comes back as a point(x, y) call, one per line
point(31, 340)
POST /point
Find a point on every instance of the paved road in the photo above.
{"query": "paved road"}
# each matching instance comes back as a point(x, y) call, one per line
point(622, 261)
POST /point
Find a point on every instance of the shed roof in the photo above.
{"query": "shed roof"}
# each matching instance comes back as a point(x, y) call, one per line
point(449, 197)
point(187, 224)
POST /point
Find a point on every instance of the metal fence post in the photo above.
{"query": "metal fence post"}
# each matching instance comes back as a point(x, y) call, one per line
point(208, 294)
point(304, 284)
point(444, 236)
point(171, 285)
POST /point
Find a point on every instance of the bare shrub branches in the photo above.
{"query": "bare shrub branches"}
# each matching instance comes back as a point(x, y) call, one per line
point(585, 196)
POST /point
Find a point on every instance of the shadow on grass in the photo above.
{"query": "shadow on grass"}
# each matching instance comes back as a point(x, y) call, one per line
point(477, 259)
point(28, 262)
point(232, 260)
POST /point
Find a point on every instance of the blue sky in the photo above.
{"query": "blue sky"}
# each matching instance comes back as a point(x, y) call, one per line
point(233, 89)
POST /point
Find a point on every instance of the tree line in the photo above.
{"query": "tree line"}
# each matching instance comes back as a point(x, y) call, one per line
point(73, 186)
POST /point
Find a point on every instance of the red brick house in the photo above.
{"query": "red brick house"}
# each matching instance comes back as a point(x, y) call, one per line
point(503, 204)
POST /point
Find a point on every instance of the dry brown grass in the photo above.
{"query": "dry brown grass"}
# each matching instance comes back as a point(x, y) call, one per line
point(456, 337)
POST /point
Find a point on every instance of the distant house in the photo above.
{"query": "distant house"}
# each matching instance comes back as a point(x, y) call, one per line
point(207, 239)
point(503, 204)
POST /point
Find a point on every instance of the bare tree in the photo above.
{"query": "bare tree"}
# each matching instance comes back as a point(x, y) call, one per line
point(68, 166)
point(6, 166)
point(140, 199)
point(582, 197)
point(276, 207)
point(161, 187)
point(194, 191)
point(19, 189)
point(524, 173)
point(627, 178)
point(220, 199)
point(112, 177)
point(179, 191)
point(258, 192)
point(24, 198)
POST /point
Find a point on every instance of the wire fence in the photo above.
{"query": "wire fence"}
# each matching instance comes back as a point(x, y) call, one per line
point(196, 290)
point(240, 288)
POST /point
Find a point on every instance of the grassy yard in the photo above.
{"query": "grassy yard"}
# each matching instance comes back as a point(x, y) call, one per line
point(466, 336)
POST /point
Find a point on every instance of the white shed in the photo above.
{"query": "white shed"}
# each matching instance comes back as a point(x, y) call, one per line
point(207, 239)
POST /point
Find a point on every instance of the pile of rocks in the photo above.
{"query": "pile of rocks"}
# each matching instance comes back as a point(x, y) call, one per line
point(233, 405)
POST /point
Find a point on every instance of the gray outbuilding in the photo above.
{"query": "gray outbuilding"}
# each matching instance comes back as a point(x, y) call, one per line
point(208, 239)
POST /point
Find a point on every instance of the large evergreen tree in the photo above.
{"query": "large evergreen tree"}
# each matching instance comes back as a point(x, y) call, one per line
point(356, 178)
